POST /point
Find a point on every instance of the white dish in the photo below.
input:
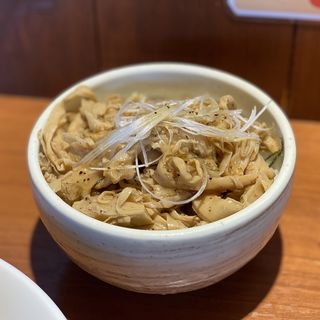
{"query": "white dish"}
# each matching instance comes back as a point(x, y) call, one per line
point(21, 298)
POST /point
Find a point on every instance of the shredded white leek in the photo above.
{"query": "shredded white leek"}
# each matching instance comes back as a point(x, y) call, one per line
point(197, 128)
point(144, 153)
point(254, 117)
point(138, 128)
point(250, 120)
point(241, 118)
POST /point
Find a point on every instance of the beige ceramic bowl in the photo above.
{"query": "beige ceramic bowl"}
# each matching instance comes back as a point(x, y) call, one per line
point(167, 261)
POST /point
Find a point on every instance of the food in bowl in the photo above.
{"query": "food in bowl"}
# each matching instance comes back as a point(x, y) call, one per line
point(156, 164)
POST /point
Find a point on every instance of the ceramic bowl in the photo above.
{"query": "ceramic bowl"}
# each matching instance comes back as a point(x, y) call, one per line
point(167, 261)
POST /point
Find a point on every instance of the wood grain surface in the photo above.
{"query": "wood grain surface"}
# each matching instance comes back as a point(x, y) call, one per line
point(202, 32)
point(282, 282)
point(304, 91)
point(45, 45)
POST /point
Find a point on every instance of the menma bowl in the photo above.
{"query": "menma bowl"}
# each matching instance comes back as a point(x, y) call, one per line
point(167, 261)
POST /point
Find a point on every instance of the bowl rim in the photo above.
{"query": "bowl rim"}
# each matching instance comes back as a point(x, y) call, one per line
point(224, 225)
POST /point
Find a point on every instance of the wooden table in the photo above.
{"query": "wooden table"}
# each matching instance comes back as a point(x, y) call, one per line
point(282, 282)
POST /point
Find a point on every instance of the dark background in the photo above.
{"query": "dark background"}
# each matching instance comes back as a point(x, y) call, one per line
point(46, 45)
